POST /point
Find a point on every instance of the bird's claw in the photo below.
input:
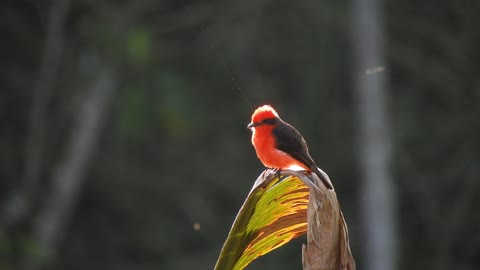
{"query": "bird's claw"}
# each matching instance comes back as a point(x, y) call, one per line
point(277, 173)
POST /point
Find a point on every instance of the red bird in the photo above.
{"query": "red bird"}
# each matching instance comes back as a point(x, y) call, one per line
point(279, 145)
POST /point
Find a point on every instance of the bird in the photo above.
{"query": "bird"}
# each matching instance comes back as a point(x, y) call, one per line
point(279, 145)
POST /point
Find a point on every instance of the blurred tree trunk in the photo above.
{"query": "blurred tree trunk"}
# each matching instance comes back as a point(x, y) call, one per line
point(67, 180)
point(20, 202)
point(378, 195)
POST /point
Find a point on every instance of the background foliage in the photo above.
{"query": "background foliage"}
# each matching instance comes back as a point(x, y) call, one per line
point(174, 149)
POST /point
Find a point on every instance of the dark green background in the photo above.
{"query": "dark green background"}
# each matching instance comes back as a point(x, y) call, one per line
point(174, 149)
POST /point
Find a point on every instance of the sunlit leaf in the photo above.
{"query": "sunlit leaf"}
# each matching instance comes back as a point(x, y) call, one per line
point(274, 213)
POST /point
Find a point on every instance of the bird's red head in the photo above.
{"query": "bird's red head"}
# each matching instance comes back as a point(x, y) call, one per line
point(261, 114)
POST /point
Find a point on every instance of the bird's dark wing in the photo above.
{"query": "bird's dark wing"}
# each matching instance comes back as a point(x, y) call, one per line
point(290, 141)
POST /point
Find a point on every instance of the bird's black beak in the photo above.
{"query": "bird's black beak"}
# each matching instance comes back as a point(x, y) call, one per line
point(252, 125)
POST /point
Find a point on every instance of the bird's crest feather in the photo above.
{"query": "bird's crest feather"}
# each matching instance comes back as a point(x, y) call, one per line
point(264, 112)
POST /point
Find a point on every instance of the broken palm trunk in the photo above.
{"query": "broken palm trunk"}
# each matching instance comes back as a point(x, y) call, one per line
point(281, 207)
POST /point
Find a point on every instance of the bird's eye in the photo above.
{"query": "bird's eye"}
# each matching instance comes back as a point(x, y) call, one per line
point(269, 121)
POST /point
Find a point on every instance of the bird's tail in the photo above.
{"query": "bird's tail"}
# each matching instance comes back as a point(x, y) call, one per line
point(323, 176)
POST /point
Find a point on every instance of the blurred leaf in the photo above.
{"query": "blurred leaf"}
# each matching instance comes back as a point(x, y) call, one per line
point(5, 245)
point(133, 111)
point(274, 213)
point(176, 110)
point(139, 45)
point(176, 124)
point(176, 90)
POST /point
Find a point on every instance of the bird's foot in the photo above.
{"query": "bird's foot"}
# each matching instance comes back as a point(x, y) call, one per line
point(277, 173)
